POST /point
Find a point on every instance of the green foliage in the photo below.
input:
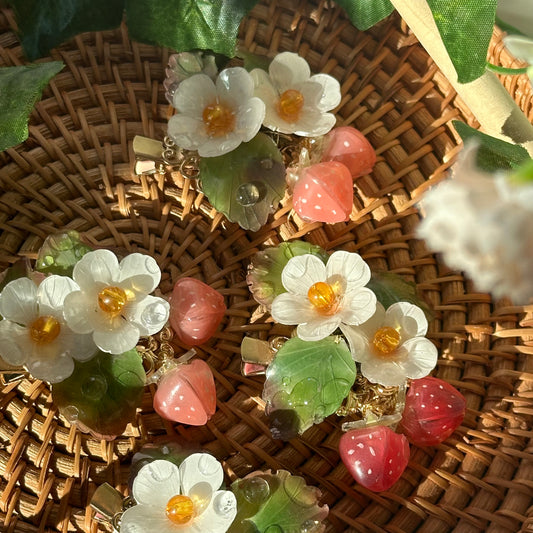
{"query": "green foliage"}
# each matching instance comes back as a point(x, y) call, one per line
point(365, 13)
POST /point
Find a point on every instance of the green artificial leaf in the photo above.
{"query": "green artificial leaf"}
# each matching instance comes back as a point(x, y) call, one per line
point(45, 24)
point(493, 154)
point(524, 173)
point(102, 394)
point(60, 252)
point(20, 88)
point(276, 503)
point(264, 271)
point(188, 24)
point(244, 184)
point(307, 381)
point(466, 28)
point(365, 13)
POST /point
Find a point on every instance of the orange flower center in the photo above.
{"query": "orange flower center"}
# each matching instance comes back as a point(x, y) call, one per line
point(112, 300)
point(323, 297)
point(386, 340)
point(219, 120)
point(45, 329)
point(290, 105)
point(180, 509)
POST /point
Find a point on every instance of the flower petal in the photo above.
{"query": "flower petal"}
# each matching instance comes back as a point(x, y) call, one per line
point(96, 266)
point(301, 272)
point(421, 359)
point(52, 292)
point(350, 267)
point(249, 119)
point(291, 309)
point(194, 94)
point(234, 86)
point(47, 364)
point(219, 514)
point(388, 373)
point(313, 123)
point(410, 318)
point(18, 301)
point(77, 310)
point(520, 46)
point(358, 343)
point(118, 340)
point(11, 350)
point(143, 270)
point(312, 93)
point(331, 91)
point(200, 467)
point(81, 347)
point(156, 483)
point(149, 315)
point(147, 519)
point(187, 132)
point(219, 145)
point(319, 328)
point(358, 306)
point(287, 70)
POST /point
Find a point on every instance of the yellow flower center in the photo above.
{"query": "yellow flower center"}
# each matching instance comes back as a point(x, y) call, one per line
point(45, 329)
point(180, 509)
point(386, 340)
point(323, 297)
point(290, 105)
point(112, 300)
point(219, 120)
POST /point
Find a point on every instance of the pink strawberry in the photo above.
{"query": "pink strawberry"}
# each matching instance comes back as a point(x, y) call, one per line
point(375, 456)
point(433, 410)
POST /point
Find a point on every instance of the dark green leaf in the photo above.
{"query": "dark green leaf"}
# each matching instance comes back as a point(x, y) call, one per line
point(187, 24)
point(365, 13)
point(20, 88)
point(466, 28)
point(44, 24)
point(493, 154)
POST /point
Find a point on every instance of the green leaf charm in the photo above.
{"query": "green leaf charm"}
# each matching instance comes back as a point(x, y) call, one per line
point(60, 252)
point(276, 503)
point(187, 24)
point(365, 13)
point(306, 382)
point(45, 24)
point(102, 394)
point(264, 272)
point(466, 28)
point(20, 88)
point(244, 184)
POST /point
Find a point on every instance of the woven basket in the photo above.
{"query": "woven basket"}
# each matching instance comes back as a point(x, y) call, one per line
point(75, 171)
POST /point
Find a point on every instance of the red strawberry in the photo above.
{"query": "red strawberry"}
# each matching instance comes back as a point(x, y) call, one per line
point(433, 410)
point(375, 456)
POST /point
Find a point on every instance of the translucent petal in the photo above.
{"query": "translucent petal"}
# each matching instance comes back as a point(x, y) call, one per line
point(409, 317)
point(219, 145)
point(77, 310)
point(200, 467)
point(149, 315)
point(388, 373)
point(314, 123)
point(96, 266)
point(119, 340)
point(52, 292)
point(291, 309)
point(358, 306)
point(18, 301)
point(194, 94)
point(311, 93)
point(49, 365)
point(11, 350)
point(319, 328)
point(331, 91)
point(287, 70)
point(421, 359)
point(301, 272)
point(80, 347)
point(358, 343)
point(376, 321)
point(350, 267)
point(219, 514)
point(187, 132)
point(234, 86)
point(156, 483)
point(520, 46)
point(263, 87)
point(147, 519)
point(143, 269)
point(249, 119)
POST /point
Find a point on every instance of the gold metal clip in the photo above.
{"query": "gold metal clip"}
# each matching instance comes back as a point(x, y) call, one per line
point(107, 503)
point(10, 373)
point(148, 155)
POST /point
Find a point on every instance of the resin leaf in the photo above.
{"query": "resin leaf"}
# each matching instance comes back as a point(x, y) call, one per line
point(277, 503)
point(103, 394)
point(246, 183)
point(20, 88)
point(365, 13)
point(264, 272)
point(60, 252)
point(306, 382)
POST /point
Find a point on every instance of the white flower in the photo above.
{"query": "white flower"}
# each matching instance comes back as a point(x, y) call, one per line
point(296, 102)
point(185, 499)
point(321, 298)
point(483, 225)
point(34, 333)
point(215, 119)
point(113, 302)
point(522, 48)
point(391, 346)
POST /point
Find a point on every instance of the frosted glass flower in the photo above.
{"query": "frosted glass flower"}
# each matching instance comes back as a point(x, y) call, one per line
point(321, 298)
point(34, 333)
point(483, 225)
point(391, 346)
point(522, 48)
point(216, 118)
point(184, 499)
point(113, 302)
point(296, 102)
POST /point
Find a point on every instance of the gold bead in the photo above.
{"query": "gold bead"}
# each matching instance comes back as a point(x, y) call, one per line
point(386, 340)
point(219, 120)
point(112, 300)
point(44, 329)
point(323, 297)
point(180, 509)
point(290, 105)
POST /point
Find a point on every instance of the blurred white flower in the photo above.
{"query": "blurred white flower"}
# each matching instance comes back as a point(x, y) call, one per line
point(391, 346)
point(321, 298)
point(522, 48)
point(216, 118)
point(185, 499)
point(34, 332)
point(296, 102)
point(483, 224)
point(113, 302)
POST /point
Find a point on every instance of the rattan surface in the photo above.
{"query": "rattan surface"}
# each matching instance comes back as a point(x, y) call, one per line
point(75, 172)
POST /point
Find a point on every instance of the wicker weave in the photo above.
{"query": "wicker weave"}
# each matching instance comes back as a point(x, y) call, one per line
point(75, 172)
